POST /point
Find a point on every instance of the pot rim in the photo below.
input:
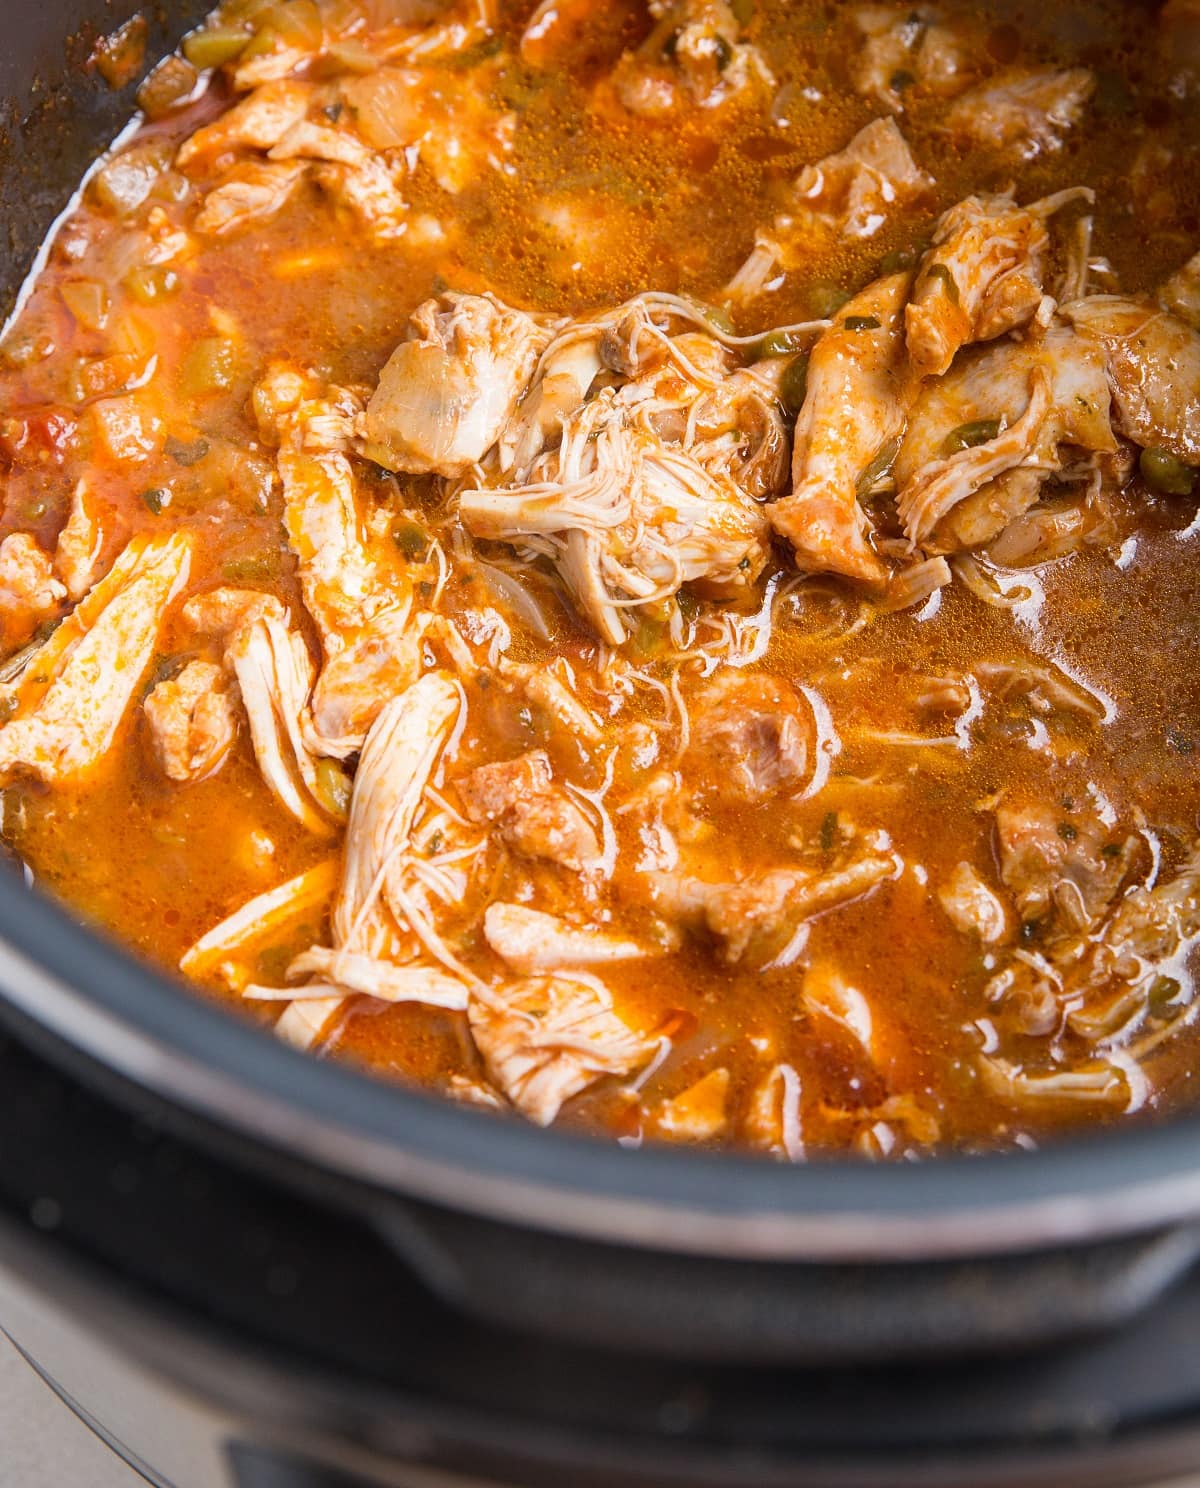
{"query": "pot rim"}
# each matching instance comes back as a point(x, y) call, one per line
point(203, 1061)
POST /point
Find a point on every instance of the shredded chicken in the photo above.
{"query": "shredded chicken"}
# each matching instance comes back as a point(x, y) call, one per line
point(192, 721)
point(860, 389)
point(981, 440)
point(1153, 361)
point(257, 122)
point(850, 194)
point(531, 941)
point(903, 48)
point(250, 193)
point(1059, 860)
point(1024, 114)
point(983, 276)
point(546, 1039)
point(29, 591)
point(78, 557)
point(78, 688)
point(972, 907)
point(765, 912)
point(752, 736)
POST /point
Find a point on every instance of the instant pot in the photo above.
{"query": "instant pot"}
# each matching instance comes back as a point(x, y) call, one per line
point(246, 1268)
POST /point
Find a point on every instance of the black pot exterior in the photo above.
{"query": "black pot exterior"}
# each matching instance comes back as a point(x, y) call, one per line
point(672, 1253)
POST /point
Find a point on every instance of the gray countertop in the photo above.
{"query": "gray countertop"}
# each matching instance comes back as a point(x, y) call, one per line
point(44, 1446)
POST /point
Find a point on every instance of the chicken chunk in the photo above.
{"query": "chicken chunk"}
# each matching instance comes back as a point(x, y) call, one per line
point(982, 276)
point(250, 193)
point(192, 721)
point(79, 554)
point(1181, 293)
point(1058, 861)
point(850, 194)
point(981, 440)
point(1153, 361)
point(855, 191)
point(535, 816)
point(903, 47)
point(370, 193)
point(860, 389)
point(760, 915)
point(547, 1038)
point(695, 53)
point(377, 664)
point(752, 736)
point(29, 591)
point(972, 907)
point(448, 390)
point(531, 941)
point(257, 122)
point(76, 693)
point(1024, 114)
point(323, 529)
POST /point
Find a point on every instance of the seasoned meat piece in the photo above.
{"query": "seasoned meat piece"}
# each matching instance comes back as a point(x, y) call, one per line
point(377, 664)
point(1025, 114)
point(220, 612)
point(29, 592)
point(983, 276)
point(534, 815)
point(752, 736)
point(1181, 293)
point(76, 691)
point(545, 1039)
point(1153, 362)
point(531, 941)
point(249, 193)
point(321, 518)
point(448, 390)
point(256, 122)
point(905, 47)
point(972, 906)
point(982, 439)
point(1057, 861)
point(860, 388)
point(79, 554)
point(694, 51)
point(855, 191)
point(370, 193)
point(767, 909)
point(850, 194)
point(697, 1114)
point(192, 721)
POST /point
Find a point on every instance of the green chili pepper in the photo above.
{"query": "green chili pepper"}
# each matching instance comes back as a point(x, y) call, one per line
point(967, 436)
point(1164, 472)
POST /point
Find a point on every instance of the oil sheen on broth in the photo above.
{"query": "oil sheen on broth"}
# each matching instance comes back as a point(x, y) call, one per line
point(670, 623)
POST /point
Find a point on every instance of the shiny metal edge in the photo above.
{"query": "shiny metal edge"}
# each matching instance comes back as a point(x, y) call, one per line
point(226, 1103)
